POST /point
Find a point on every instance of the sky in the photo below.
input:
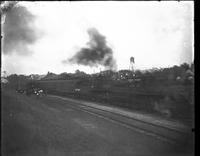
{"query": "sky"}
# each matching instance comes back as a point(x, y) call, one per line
point(91, 36)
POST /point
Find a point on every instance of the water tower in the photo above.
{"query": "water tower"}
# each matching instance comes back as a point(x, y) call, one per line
point(132, 63)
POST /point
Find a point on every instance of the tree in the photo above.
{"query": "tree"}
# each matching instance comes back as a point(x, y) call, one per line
point(185, 66)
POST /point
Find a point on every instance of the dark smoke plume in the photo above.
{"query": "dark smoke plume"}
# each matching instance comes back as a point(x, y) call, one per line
point(97, 52)
point(7, 6)
point(18, 30)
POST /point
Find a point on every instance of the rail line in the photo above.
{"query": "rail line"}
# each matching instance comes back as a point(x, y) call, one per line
point(160, 132)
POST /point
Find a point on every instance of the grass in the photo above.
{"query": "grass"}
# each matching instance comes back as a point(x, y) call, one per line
point(28, 127)
point(124, 94)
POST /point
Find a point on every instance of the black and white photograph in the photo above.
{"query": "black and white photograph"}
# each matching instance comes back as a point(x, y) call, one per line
point(97, 78)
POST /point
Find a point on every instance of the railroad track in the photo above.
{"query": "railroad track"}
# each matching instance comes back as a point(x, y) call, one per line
point(168, 134)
